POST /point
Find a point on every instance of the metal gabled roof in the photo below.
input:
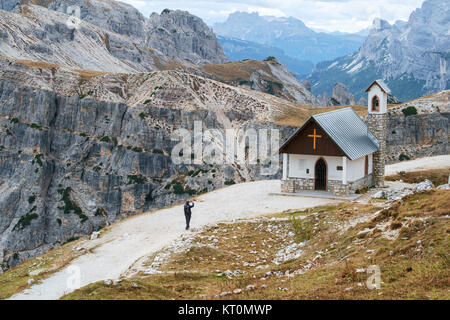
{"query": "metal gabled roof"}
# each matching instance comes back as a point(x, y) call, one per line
point(347, 130)
point(381, 84)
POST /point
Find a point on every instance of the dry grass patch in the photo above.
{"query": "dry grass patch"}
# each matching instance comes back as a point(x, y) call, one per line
point(236, 70)
point(296, 117)
point(331, 250)
point(87, 74)
point(38, 64)
point(437, 176)
point(16, 279)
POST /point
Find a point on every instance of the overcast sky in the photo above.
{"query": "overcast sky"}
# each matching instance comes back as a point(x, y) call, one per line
point(331, 15)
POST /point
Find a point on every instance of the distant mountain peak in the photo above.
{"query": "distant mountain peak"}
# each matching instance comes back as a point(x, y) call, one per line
point(413, 56)
point(380, 24)
point(289, 34)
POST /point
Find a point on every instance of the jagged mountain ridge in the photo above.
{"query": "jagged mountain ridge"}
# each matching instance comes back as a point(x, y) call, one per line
point(174, 40)
point(413, 58)
point(289, 34)
point(108, 28)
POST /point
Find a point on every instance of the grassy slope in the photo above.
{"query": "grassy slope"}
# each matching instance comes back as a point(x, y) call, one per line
point(437, 176)
point(414, 262)
point(16, 279)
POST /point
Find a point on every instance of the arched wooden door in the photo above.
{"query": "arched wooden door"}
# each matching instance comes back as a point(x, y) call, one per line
point(320, 175)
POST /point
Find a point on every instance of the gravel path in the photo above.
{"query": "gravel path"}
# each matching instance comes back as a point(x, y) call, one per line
point(437, 162)
point(142, 235)
point(139, 236)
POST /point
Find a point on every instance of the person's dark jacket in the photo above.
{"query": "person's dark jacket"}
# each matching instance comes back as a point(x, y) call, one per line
point(187, 208)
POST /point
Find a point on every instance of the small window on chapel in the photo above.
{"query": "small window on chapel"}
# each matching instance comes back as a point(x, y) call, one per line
point(340, 168)
point(375, 104)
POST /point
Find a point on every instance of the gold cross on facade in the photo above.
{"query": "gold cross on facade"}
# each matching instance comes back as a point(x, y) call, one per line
point(314, 136)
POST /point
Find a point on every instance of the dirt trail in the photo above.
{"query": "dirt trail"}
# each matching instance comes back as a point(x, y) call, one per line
point(131, 239)
point(139, 236)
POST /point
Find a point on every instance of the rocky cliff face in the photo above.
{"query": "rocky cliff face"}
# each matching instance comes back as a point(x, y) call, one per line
point(115, 16)
point(413, 59)
point(111, 37)
point(425, 133)
point(42, 35)
point(179, 34)
point(70, 165)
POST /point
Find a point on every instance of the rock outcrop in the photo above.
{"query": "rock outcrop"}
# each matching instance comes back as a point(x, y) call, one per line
point(341, 96)
point(179, 34)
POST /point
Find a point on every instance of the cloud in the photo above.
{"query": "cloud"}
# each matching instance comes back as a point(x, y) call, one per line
point(331, 15)
point(267, 11)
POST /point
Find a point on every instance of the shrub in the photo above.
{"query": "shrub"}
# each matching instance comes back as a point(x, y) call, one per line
point(158, 151)
point(105, 139)
point(69, 205)
point(31, 199)
point(142, 115)
point(15, 120)
point(270, 58)
point(35, 126)
point(136, 179)
point(190, 191)
point(229, 182)
point(136, 149)
point(178, 188)
point(404, 157)
point(100, 212)
point(84, 95)
point(25, 220)
point(409, 111)
point(147, 101)
point(38, 159)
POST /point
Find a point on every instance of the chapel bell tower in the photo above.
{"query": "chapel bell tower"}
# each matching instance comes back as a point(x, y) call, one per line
point(377, 122)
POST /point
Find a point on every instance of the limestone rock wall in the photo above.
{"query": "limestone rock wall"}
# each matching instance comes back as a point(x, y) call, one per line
point(69, 166)
point(417, 135)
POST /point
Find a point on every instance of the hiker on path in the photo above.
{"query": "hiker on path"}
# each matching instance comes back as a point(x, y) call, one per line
point(187, 212)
